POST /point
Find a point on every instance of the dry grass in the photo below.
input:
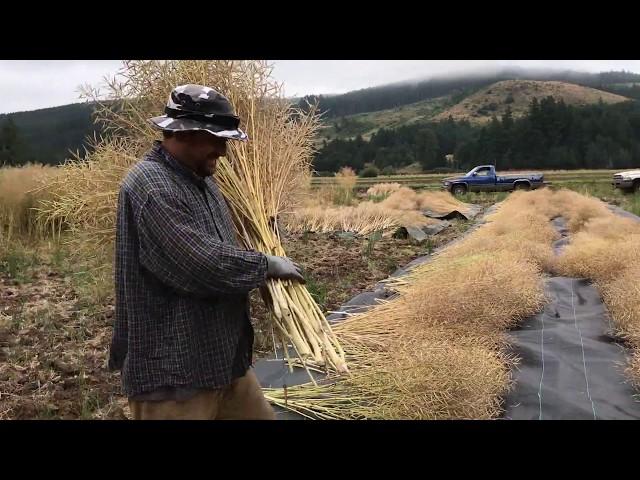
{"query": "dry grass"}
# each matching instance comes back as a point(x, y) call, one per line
point(19, 197)
point(603, 260)
point(410, 385)
point(580, 209)
point(346, 177)
point(622, 296)
point(401, 208)
point(447, 298)
point(365, 218)
point(603, 245)
point(405, 198)
point(520, 226)
point(84, 195)
point(441, 202)
point(436, 351)
point(382, 189)
point(320, 196)
point(344, 187)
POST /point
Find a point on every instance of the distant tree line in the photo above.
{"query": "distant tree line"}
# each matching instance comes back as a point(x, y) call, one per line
point(391, 149)
point(45, 136)
point(13, 150)
point(552, 135)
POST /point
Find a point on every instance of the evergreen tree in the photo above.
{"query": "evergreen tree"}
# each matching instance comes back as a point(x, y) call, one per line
point(426, 150)
point(12, 148)
point(507, 118)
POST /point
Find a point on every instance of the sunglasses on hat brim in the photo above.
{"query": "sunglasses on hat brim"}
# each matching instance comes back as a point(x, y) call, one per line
point(229, 122)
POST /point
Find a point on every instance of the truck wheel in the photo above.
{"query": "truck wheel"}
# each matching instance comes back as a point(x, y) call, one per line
point(459, 190)
point(636, 187)
point(522, 186)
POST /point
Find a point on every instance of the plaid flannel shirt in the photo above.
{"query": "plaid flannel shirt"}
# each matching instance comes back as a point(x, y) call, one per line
point(182, 281)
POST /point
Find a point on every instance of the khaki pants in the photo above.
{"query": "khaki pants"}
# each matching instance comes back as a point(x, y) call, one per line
point(242, 400)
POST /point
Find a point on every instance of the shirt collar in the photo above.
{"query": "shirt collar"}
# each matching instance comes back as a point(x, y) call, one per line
point(164, 156)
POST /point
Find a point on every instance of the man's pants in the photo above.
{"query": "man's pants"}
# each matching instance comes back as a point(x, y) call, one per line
point(242, 400)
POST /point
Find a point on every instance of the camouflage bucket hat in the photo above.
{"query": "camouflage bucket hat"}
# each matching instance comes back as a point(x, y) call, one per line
point(196, 107)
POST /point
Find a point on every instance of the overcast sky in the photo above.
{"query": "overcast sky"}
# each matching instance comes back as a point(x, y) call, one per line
point(29, 84)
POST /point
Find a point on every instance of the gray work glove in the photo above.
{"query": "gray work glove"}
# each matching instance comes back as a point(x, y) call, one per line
point(283, 268)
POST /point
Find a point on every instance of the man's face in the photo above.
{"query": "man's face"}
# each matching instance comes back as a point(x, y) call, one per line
point(203, 149)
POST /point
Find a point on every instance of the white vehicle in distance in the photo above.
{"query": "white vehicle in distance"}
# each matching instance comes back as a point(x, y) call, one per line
point(629, 180)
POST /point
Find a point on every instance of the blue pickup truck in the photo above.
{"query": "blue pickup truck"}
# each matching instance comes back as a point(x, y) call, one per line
point(484, 179)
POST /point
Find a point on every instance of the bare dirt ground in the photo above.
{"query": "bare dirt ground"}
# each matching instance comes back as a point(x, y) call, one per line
point(53, 351)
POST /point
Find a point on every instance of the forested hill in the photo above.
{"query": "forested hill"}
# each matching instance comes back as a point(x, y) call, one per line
point(46, 135)
point(458, 87)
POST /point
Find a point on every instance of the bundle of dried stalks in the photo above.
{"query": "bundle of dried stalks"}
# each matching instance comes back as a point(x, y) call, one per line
point(365, 218)
point(405, 198)
point(436, 350)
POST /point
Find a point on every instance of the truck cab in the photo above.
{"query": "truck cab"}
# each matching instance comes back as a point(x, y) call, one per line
point(482, 177)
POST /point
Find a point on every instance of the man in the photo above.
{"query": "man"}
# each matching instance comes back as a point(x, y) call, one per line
point(182, 333)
